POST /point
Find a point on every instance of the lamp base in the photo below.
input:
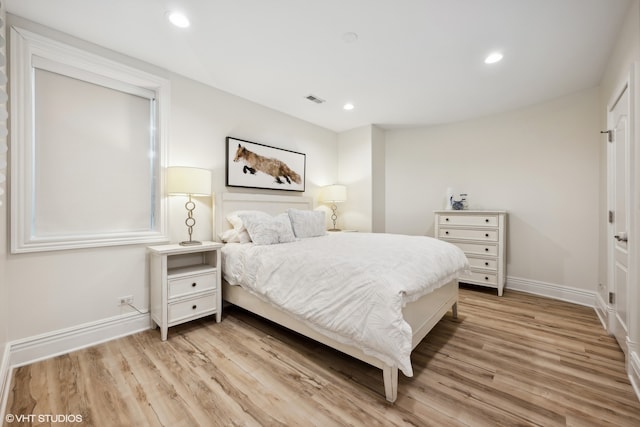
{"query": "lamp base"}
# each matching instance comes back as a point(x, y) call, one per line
point(334, 229)
point(190, 243)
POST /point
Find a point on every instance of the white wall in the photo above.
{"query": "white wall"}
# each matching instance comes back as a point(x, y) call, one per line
point(354, 171)
point(540, 163)
point(361, 160)
point(4, 302)
point(201, 118)
point(52, 291)
point(378, 180)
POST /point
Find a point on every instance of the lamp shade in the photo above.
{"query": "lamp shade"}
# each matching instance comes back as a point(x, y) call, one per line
point(334, 194)
point(186, 180)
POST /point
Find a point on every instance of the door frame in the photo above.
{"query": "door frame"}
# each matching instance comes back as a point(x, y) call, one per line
point(633, 364)
point(613, 173)
point(633, 322)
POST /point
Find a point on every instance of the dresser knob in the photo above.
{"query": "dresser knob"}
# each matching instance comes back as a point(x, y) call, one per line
point(486, 278)
point(194, 307)
point(193, 285)
point(486, 234)
point(446, 219)
point(486, 249)
point(486, 220)
point(486, 264)
point(446, 232)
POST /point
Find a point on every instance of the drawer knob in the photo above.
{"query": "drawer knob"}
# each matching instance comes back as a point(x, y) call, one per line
point(486, 234)
point(446, 232)
point(193, 285)
point(486, 263)
point(194, 307)
point(446, 219)
point(486, 278)
point(486, 249)
point(486, 220)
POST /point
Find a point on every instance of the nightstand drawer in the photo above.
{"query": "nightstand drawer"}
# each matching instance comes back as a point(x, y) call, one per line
point(477, 249)
point(468, 234)
point(469, 220)
point(194, 307)
point(485, 264)
point(479, 277)
point(190, 284)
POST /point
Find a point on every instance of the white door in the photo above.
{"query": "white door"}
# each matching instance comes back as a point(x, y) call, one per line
point(619, 144)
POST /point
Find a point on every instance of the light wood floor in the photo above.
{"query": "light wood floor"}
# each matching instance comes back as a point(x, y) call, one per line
point(514, 360)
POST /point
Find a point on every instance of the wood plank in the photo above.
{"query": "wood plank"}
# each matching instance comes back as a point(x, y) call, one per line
point(515, 360)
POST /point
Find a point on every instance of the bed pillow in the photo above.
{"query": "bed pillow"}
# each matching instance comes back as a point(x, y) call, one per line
point(307, 223)
point(236, 221)
point(235, 236)
point(268, 230)
point(239, 234)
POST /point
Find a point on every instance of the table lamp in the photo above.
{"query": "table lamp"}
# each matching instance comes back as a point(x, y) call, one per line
point(191, 182)
point(334, 194)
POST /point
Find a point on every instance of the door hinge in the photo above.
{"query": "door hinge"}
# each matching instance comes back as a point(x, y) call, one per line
point(612, 217)
point(609, 134)
point(612, 298)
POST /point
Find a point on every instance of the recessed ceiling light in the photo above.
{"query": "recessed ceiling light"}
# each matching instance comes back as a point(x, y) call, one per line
point(348, 106)
point(493, 58)
point(178, 19)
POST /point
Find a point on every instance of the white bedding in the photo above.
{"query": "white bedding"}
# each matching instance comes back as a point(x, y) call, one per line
point(349, 286)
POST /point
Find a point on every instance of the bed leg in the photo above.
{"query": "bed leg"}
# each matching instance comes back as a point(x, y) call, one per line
point(454, 310)
point(390, 375)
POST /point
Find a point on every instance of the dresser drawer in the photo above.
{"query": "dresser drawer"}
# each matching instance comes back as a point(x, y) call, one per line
point(483, 263)
point(190, 284)
point(477, 249)
point(193, 307)
point(469, 220)
point(480, 278)
point(468, 234)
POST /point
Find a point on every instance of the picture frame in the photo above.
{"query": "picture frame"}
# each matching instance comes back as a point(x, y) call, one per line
point(253, 165)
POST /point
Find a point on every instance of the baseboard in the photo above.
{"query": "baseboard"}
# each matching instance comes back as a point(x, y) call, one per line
point(550, 290)
point(602, 310)
point(5, 380)
point(633, 370)
point(45, 346)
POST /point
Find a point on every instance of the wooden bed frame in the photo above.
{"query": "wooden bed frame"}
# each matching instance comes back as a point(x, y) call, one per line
point(422, 314)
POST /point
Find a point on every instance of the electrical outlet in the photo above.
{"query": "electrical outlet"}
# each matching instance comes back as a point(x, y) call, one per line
point(125, 300)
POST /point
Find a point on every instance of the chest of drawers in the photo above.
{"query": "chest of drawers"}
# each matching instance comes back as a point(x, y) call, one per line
point(482, 237)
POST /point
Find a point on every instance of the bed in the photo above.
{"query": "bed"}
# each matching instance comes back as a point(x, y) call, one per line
point(419, 314)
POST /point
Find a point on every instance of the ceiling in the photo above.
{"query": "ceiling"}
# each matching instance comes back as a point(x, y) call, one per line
point(414, 63)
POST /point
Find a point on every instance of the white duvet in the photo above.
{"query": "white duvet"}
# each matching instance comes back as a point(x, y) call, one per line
point(349, 286)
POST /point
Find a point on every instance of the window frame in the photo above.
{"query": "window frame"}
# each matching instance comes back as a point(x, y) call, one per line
point(30, 51)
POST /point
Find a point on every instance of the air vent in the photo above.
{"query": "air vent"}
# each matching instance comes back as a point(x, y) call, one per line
point(315, 99)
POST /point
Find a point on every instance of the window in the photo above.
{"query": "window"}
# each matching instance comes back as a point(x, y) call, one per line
point(87, 141)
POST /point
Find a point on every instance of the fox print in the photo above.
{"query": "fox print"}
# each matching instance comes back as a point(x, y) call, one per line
point(274, 167)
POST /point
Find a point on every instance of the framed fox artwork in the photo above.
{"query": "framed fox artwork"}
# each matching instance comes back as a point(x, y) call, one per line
point(253, 165)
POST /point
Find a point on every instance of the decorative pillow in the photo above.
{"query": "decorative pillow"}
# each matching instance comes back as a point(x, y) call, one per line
point(234, 236)
point(307, 223)
point(268, 230)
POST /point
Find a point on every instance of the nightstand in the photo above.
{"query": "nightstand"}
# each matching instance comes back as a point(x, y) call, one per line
point(185, 283)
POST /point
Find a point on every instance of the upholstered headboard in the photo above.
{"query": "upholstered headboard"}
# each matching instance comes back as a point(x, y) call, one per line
point(271, 204)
